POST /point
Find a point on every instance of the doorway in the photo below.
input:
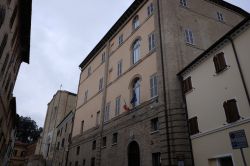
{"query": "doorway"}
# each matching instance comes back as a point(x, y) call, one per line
point(133, 154)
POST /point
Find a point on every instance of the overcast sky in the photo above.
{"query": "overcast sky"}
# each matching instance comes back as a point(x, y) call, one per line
point(63, 33)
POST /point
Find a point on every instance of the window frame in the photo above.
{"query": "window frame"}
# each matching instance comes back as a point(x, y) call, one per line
point(117, 105)
point(187, 85)
point(183, 3)
point(103, 57)
point(220, 63)
point(153, 85)
point(135, 23)
point(120, 40)
point(220, 16)
point(189, 37)
point(151, 41)
point(101, 81)
point(106, 113)
point(119, 68)
point(136, 51)
point(115, 139)
point(150, 9)
point(104, 142)
point(193, 125)
point(154, 124)
point(231, 111)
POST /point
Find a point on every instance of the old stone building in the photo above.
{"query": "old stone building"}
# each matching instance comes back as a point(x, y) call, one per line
point(15, 23)
point(57, 127)
point(130, 109)
point(217, 95)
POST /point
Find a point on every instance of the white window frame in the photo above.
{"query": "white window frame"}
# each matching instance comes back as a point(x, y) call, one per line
point(153, 86)
point(150, 9)
point(89, 71)
point(189, 36)
point(136, 22)
point(117, 105)
point(151, 41)
point(86, 96)
point(220, 16)
point(183, 3)
point(136, 51)
point(106, 112)
point(119, 68)
point(120, 39)
point(101, 84)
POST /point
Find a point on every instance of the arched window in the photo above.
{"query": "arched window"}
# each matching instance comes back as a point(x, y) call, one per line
point(136, 22)
point(136, 51)
point(135, 100)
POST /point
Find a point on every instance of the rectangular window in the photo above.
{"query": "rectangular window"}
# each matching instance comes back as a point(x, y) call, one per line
point(151, 41)
point(100, 84)
point(97, 118)
point(219, 62)
point(78, 150)
point(119, 68)
point(104, 142)
point(150, 9)
point(83, 162)
point(117, 105)
point(120, 39)
point(106, 113)
point(153, 86)
point(193, 126)
point(82, 126)
point(156, 159)
point(154, 124)
point(183, 3)
point(114, 139)
point(231, 110)
point(94, 145)
point(86, 96)
point(187, 85)
point(63, 142)
point(103, 57)
point(76, 163)
point(92, 161)
point(89, 71)
point(220, 16)
point(189, 36)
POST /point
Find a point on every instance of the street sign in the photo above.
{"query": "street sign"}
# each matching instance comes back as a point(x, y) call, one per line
point(238, 139)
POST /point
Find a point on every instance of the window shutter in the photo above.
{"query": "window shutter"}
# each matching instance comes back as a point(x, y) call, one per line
point(216, 64)
point(234, 113)
point(227, 112)
point(222, 61)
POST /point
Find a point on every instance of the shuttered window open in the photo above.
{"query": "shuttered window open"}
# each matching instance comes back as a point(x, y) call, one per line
point(187, 85)
point(193, 126)
point(219, 62)
point(231, 110)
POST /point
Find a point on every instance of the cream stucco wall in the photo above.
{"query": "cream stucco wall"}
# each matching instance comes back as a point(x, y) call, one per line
point(145, 68)
point(210, 90)
point(242, 49)
point(205, 101)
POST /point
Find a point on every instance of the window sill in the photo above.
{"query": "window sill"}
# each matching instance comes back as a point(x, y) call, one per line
point(221, 71)
point(114, 144)
point(104, 147)
point(154, 132)
point(189, 91)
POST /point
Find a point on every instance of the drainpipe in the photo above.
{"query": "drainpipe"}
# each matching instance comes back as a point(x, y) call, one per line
point(164, 85)
point(240, 69)
point(102, 111)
